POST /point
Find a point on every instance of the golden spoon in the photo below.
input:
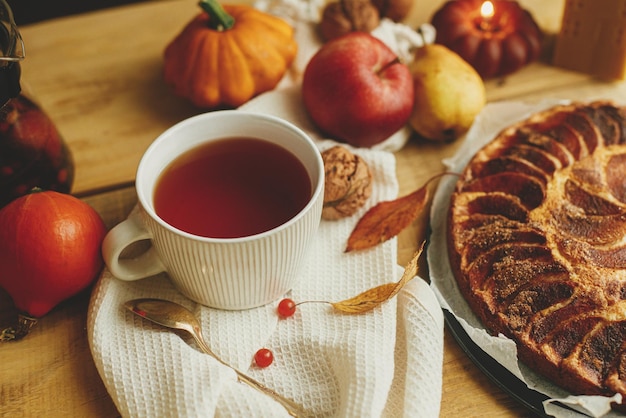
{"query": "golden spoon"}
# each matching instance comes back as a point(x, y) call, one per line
point(175, 316)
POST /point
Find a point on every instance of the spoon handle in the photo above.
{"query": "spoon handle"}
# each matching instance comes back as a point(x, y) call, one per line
point(292, 407)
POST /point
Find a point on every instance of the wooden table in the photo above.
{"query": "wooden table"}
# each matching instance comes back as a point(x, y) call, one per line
point(98, 76)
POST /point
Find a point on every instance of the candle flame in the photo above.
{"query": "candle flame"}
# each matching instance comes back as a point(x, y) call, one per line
point(486, 10)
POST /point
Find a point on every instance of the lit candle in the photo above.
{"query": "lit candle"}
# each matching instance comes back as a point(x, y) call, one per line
point(486, 15)
point(497, 37)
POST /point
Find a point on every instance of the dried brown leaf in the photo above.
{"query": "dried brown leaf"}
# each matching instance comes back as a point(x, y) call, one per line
point(387, 219)
point(371, 298)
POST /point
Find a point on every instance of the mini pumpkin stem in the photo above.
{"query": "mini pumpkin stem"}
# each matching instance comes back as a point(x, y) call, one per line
point(219, 20)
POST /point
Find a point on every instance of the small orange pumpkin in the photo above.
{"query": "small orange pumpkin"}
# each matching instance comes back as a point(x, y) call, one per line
point(227, 55)
point(49, 249)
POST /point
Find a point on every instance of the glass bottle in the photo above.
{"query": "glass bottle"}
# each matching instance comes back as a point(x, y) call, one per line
point(32, 152)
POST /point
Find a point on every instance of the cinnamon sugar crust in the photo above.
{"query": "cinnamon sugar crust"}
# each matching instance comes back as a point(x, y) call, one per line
point(537, 242)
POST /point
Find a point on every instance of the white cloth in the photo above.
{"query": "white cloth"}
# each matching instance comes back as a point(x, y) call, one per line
point(303, 15)
point(385, 363)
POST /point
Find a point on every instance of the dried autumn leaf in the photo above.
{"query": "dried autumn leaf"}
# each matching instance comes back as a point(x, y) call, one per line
point(375, 296)
point(387, 219)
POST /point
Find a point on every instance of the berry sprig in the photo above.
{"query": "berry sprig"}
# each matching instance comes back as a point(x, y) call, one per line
point(363, 302)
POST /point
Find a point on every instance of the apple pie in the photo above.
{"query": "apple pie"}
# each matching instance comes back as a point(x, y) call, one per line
point(537, 242)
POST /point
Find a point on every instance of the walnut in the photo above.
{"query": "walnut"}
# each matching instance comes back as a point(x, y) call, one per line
point(344, 16)
point(395, 10)
point(348, 183)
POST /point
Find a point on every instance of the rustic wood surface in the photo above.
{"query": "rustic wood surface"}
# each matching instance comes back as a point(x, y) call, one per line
point(98, 75)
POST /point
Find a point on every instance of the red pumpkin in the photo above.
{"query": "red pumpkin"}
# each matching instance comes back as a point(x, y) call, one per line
point(506, 42)
point(49, 249)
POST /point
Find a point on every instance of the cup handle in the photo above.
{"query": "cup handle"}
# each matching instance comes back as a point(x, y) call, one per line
point(121, 237)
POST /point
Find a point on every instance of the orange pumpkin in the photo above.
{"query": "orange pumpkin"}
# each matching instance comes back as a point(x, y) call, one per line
point(227, 55)
point(49, 249)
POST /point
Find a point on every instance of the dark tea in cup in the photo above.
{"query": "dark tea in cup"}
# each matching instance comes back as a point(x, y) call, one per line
point(232, 188)
point(220, 174)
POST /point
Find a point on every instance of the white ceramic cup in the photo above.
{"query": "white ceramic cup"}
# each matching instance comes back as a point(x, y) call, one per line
point(230, 273)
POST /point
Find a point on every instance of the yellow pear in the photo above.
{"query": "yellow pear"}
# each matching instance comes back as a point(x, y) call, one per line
point(449, 93)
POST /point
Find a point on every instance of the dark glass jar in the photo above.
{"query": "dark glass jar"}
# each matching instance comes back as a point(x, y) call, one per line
point(32, 152)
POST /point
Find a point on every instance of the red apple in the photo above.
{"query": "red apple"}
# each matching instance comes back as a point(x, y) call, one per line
point(356, 90)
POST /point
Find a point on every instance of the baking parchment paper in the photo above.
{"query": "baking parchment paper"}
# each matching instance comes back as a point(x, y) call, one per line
point(493, 119)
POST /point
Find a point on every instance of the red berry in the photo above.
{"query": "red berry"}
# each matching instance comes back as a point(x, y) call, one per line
point(286, 308)
point(263, 357)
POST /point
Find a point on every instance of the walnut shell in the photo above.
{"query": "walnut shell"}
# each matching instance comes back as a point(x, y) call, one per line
point(348, 183)
point(345, 16)
point(395, 10)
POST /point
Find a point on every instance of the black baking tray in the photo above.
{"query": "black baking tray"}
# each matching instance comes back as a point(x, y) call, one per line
point(502, 377)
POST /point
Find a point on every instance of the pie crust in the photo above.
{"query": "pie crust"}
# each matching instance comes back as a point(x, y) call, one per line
point(537, 242)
